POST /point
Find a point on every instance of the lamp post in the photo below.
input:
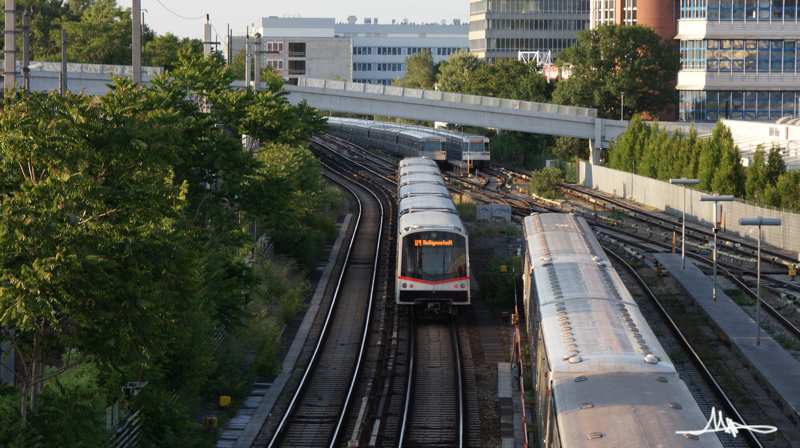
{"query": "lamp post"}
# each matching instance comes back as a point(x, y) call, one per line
point(621, 106)
point(759, 222)
point(684, 181)
point(717, 220)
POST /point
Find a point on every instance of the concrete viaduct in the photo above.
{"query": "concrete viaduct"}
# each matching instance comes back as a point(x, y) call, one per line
point(386, 101)
point(465, 110)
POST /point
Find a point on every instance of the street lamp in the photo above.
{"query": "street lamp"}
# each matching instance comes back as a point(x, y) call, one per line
point(621, 106)
point(759, 222)
point(717, 220)
point(684, 181)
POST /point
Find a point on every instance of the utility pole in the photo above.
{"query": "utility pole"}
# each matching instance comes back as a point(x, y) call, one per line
point(10, 46)
point(136, 46)
point(207, 37)
point(247, 58)
point(257, 62)
point(229, 56)
point(26, 53)
point(62, 78)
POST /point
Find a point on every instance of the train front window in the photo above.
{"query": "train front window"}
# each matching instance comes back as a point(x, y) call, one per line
point(434, 256)
point(433, 146)
point(477, 146)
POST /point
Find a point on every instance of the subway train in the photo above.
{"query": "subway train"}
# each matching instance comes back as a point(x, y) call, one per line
point(601, 377)
point(404, 140)
point(396, 139)
point(433, 272)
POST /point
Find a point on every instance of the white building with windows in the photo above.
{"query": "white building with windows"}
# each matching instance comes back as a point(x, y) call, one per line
point(380, 50)
point(739, 60)
point(369, 53)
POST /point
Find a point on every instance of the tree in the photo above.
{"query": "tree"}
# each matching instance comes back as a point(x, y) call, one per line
point(163, 51)
point(97, 262)
point(101, 36)
point(420, 72)
point(755, 182)
point(545, 181)
point(613, 59)
point(455, 73)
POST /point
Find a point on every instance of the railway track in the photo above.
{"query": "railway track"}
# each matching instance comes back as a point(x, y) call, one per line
point(704, 387)
point(434, 416)
point(316, 413)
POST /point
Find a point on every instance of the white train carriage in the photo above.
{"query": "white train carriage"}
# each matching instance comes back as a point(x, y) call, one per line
point(601, 377)
point(432, 261)
point(416, 161)
point(426, 203)
point(466, 149)
point(418, 169)
point(421, 178)
point(420, 189)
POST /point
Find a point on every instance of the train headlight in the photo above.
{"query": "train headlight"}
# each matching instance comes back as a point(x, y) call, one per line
point(405, 285)
point(463, 286)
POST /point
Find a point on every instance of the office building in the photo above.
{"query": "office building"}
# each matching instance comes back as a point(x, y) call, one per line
point(739, 60)
point(370, 52)
point(501, 29)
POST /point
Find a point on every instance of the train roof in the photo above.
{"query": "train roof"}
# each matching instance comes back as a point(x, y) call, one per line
point(417, 204)
point(421, 135)
point(429, 221)
point(416, 161)
point(622, 409)
point(423, 190)
point(589, 319)
point(420, 179)
point(419, 169)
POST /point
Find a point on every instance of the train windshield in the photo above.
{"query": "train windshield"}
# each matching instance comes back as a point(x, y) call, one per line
point(434, 256)
point(432, 146)
point(477, 146)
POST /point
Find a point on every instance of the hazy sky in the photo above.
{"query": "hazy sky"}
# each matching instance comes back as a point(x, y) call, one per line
point(185, 18)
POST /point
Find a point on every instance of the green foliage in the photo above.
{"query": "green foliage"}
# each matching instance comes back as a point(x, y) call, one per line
point(545, 181)
point(466, 207)
point(612, 59)
point(499, 288)
point(73, 417)
point(650, 151)
point(101, 36)
point(509, 78)
point(164, 51)
point(455, 72)
point(420, 72)
point(121, 215)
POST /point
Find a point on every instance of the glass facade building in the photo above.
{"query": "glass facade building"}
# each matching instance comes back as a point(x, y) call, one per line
point(739, 60)
point(500, 29)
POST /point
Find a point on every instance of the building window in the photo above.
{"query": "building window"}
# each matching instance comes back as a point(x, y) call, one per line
point(276, 47)
point(297, 50)
point(710, 106)
point(276, 64)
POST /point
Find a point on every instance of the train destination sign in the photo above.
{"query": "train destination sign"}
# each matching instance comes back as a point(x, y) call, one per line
point(433, 242)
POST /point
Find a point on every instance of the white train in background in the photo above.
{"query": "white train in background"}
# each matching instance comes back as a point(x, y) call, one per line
point(404, 140)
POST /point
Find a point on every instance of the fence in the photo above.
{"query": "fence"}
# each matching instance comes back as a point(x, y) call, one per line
point(664, 196)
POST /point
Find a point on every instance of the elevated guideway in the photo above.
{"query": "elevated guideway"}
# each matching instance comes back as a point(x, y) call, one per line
point(465, 110)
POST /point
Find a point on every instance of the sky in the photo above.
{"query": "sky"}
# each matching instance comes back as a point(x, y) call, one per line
point(185, 18)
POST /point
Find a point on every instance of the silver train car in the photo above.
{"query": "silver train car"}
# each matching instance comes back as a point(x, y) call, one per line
point(601, 377)
point(432, 247)
point(466, 149)
point(397, 139)
point(420, 189)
